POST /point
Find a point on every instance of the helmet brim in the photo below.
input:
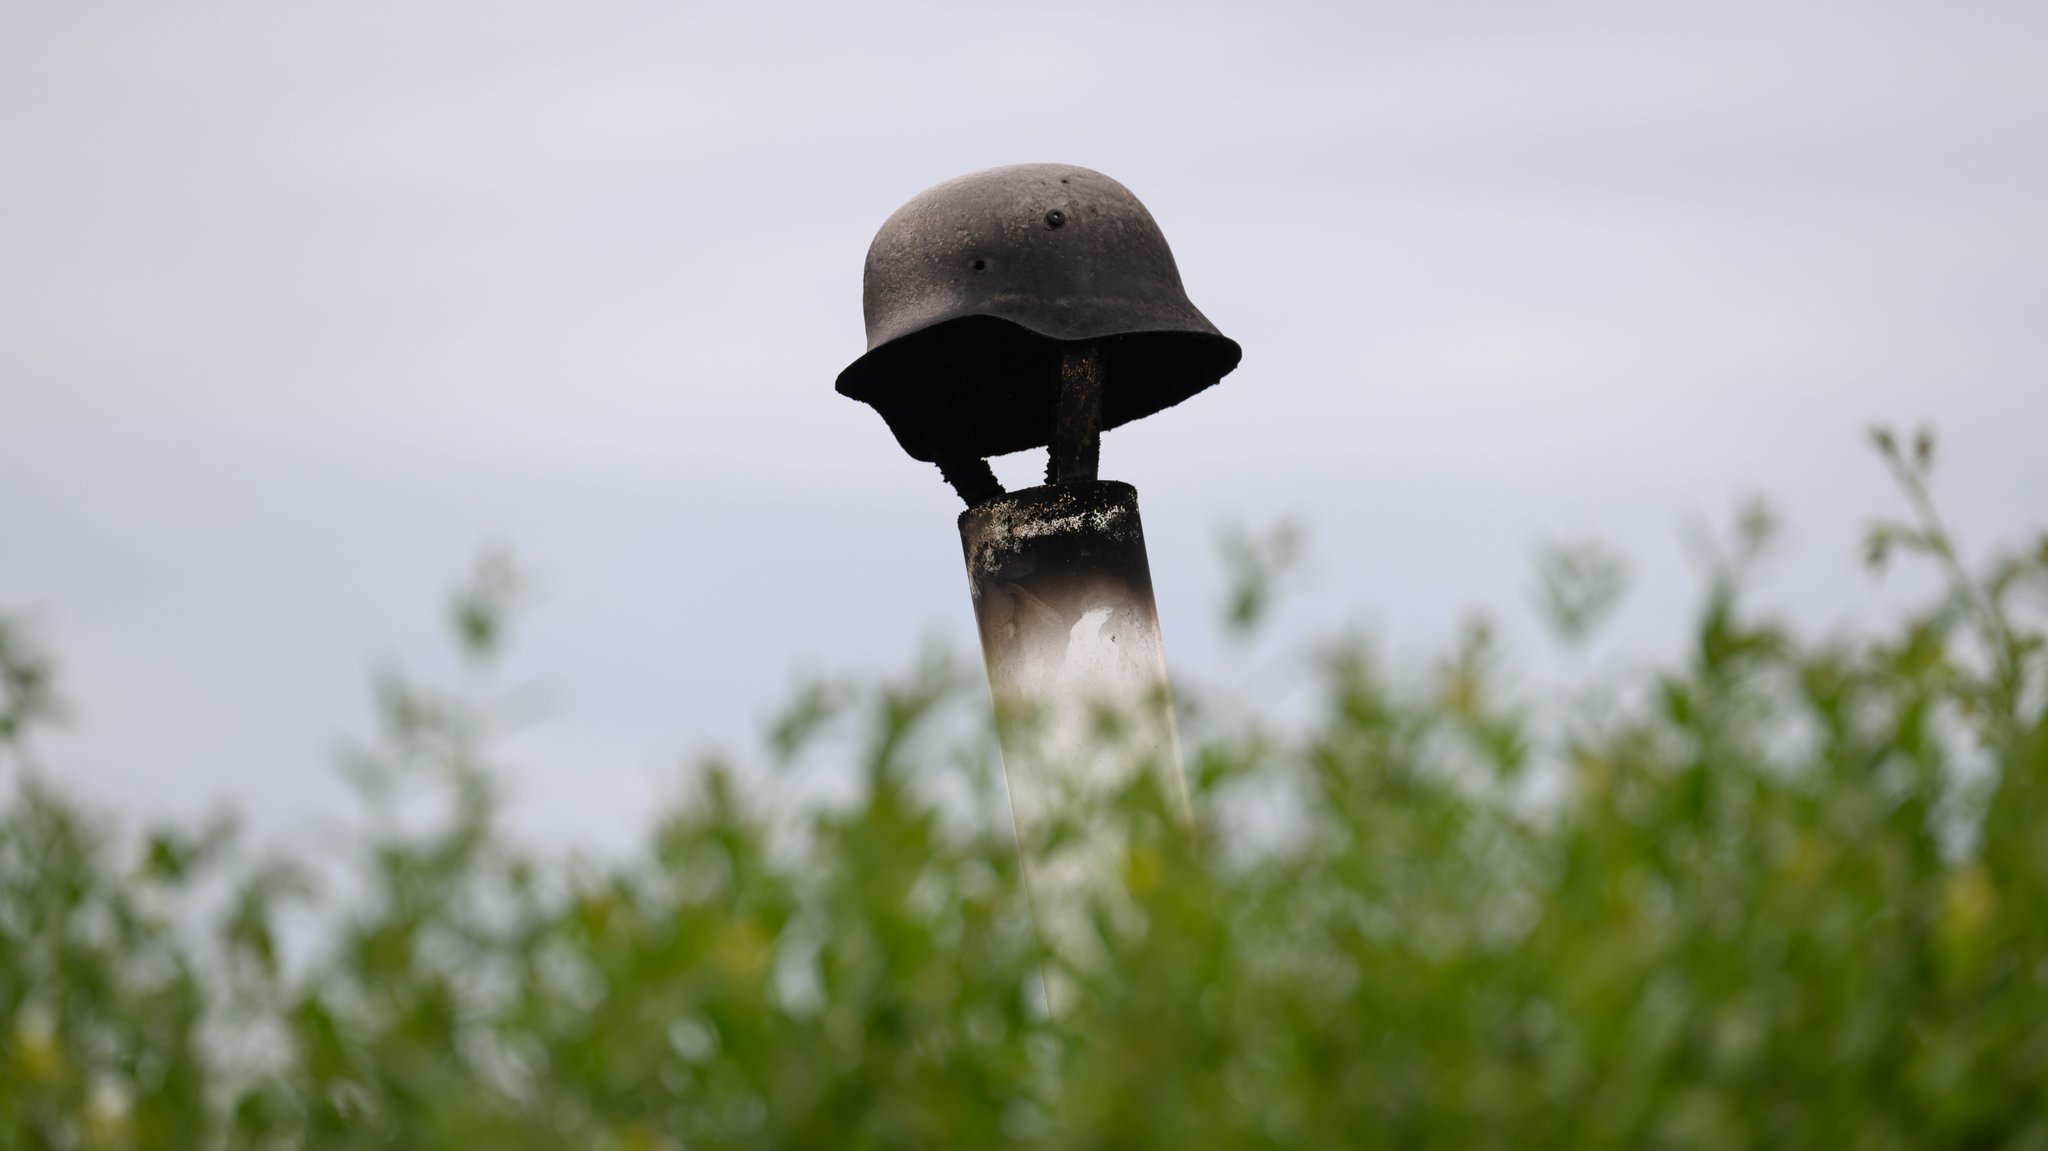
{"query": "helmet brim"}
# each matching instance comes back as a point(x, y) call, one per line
point(984, 386)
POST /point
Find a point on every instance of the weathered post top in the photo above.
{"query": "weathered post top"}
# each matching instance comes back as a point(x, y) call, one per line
point(976, 290)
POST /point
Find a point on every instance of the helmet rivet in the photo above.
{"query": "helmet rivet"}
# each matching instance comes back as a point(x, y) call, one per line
point(1055, 218)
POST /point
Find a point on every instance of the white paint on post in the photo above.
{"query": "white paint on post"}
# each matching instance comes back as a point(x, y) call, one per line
point(1077, 672)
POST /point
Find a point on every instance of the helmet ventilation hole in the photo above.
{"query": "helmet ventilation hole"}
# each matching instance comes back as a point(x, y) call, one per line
point(979, 264)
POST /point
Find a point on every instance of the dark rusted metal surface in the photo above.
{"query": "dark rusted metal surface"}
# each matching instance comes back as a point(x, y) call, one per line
point(976, 289)
point(972, 479)
point(1076, 453)
point(1051, 545)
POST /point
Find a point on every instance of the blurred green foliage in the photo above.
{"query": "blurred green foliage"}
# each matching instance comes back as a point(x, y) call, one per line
point(1785, 892)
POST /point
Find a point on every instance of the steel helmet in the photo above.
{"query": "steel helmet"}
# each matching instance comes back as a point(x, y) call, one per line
point(975, 288)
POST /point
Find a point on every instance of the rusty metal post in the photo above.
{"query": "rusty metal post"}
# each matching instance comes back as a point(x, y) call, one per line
point(1070, 634)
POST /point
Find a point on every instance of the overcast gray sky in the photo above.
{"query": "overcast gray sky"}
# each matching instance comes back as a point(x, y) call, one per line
point(299, 304)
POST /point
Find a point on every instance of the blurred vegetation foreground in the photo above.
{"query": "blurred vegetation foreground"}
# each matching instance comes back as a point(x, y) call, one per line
point(1785, 893)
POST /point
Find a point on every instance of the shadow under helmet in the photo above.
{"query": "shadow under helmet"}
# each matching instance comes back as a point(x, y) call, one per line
point(974, 289)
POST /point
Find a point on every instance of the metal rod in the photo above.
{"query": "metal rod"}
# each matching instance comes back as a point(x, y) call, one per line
point(972, 479)
point(1076, 449)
